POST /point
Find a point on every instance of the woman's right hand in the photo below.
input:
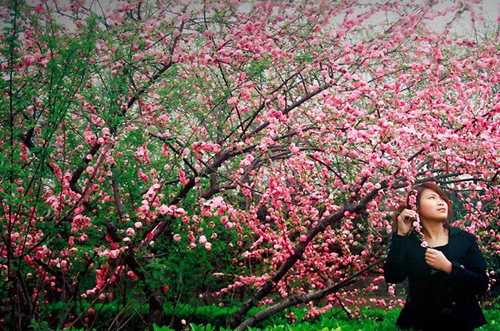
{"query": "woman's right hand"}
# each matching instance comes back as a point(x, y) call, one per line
point(405, 221)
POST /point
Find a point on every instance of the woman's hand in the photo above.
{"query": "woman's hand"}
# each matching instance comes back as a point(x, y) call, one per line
point(405, 220)
point(436, 259)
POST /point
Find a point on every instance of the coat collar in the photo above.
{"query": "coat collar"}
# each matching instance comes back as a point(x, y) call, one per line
point(455, 231)
point(457, 244)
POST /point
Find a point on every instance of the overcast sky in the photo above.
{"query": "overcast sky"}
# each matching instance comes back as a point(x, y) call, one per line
point(491, 13)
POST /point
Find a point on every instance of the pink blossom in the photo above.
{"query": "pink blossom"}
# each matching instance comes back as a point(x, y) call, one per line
point(294, 148)
point(179, 212)
point(182, 177)
point(366, 173)
point(143, 176)
point(143, 208)
point(105, 132)
point(232, 101)
point(28, 60)
point(247, 161)
point(165, 210)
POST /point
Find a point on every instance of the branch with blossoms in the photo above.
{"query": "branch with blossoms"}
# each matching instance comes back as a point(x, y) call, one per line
point(299, 250)
point(417, 226)
point(304, 298)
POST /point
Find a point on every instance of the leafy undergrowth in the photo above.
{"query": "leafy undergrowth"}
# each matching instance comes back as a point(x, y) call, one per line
point(370, 320)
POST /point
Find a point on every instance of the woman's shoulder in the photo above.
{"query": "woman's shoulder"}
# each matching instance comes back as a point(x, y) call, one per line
point(455, 231)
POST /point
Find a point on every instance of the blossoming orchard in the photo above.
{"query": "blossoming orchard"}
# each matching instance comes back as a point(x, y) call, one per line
point(239, 153)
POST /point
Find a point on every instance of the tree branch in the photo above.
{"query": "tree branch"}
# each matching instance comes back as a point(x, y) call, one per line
point(299, 250)
point(302, 298)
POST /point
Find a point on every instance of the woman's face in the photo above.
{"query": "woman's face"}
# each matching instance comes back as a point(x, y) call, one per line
point(432, 206)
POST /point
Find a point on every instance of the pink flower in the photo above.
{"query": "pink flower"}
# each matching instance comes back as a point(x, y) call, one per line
point(165, 210)
point(143, 176)
point(294, 148)
point(412, 199)
point(106, 132)
point(182, 177)
point(424, 244)
point(232, 101)
point(179, 212)
point(29, 60)
point(247, 161)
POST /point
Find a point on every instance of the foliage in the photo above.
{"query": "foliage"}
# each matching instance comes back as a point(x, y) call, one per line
point(161, 154)
point(369, 319)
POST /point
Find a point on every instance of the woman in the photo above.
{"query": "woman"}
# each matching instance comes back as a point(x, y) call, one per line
point(445, 268)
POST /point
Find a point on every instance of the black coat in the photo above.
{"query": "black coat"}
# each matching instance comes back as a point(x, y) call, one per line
point(437, 301)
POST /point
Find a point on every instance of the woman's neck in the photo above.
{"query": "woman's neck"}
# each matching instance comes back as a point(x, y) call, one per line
point(435, 232)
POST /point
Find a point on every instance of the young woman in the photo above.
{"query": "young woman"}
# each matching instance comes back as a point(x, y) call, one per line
point(445, 269)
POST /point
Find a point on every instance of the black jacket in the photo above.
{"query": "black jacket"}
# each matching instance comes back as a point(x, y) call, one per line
point(436, 300)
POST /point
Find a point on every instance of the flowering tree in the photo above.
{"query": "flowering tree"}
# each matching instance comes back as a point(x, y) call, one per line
point(270, 141)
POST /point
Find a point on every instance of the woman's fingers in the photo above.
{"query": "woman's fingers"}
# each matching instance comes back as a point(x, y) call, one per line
point(405, 219)
point(408, 215)
point(437, 260)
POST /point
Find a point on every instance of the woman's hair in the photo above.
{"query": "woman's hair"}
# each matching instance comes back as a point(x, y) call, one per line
point(419, 189)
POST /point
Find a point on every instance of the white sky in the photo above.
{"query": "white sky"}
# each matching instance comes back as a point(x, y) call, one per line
point(491, 11)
